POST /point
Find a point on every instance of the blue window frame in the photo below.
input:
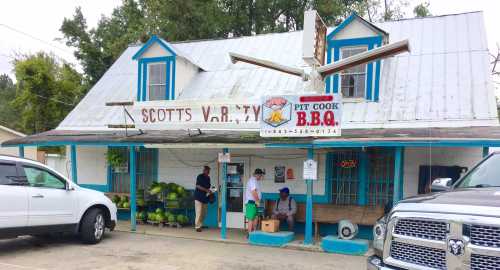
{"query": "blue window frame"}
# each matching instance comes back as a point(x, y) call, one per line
point(163, 70)
point(372, 77)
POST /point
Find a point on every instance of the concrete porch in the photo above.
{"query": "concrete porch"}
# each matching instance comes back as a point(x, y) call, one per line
point(234, 236)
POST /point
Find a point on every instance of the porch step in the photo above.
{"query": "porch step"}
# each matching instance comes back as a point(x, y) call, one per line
point(276, 239)
point(333, 244)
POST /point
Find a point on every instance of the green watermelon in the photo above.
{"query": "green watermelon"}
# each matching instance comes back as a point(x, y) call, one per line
point(171, 218)
point(172, 196)
point(126, 205)
point(141, 202)
point(158, 211)
point(115, 199)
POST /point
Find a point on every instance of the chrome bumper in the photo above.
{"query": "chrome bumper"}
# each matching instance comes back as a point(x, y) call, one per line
point(375, 263)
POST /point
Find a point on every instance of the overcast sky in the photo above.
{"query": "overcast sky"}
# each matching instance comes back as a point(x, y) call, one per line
point(39, 22)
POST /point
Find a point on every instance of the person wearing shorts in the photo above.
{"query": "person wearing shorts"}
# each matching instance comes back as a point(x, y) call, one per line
point(252, 199)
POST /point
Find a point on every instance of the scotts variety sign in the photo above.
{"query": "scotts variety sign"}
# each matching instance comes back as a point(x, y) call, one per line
point(174, 115)
point(301, 116)
point(277, 116)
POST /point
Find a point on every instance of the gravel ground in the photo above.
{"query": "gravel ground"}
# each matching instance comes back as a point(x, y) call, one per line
point(137, 252)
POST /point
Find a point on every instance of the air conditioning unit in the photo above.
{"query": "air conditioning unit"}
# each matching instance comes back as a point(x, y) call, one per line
point(347, 229)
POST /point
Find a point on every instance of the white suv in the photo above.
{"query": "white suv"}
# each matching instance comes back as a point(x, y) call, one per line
point(36, 200)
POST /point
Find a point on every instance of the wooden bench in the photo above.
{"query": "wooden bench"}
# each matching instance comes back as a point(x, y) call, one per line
point(332, 214)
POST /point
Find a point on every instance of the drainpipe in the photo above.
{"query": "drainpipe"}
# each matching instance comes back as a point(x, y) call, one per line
point(133, 224)
point(21, 151)
point(74, 175)
point(223, 192)
point(308, 239)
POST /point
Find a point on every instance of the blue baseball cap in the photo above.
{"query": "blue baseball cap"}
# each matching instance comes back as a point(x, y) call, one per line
point(285, 190)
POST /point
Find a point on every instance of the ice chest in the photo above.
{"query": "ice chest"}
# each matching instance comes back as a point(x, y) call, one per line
point(270, 225)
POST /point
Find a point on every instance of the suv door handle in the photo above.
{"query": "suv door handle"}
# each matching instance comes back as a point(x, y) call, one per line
point(38, 196)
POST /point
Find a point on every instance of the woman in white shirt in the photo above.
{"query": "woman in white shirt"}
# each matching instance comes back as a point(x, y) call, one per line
point(252, 199)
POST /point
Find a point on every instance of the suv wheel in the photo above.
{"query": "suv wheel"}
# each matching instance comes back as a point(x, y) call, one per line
point(93, 226)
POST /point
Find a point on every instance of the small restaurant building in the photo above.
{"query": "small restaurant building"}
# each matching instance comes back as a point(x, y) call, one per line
point(405, 120)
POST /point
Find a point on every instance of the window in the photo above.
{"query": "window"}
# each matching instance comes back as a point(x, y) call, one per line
point(484, 175)
point(353, 80)
point(157, 75)
point(8, 174)
point(40, 178)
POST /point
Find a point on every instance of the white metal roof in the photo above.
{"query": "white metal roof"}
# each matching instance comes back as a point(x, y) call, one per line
point(444, 82)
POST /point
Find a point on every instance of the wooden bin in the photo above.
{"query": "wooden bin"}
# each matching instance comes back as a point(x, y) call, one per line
point(270, 225)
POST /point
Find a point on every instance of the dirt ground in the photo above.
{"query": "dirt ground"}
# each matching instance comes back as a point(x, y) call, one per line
point(129, 251)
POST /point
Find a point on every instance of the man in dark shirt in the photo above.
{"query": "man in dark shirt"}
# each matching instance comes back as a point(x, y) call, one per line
point(201, 197)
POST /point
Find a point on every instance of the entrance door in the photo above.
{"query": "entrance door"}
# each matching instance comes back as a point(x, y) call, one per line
point(236, 180)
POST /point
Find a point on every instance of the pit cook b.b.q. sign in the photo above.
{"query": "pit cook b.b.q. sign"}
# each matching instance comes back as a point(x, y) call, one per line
point(301, 116)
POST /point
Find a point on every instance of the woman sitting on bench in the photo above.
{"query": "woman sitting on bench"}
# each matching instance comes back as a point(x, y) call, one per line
point(286, 208)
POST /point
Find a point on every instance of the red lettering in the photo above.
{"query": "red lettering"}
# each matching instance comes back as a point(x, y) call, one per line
point(329, 118)
point(224, 111)
point(169, 114)
point(315, 120)
point(151, 115)
point(144, 113)
point(188, 114)
point(206, 113)
point(161, 115)
point(180, 113)
point(256, 111)
point(301, 119)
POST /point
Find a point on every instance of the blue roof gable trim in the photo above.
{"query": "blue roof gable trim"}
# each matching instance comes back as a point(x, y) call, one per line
point(150, 42)
point(349, 19)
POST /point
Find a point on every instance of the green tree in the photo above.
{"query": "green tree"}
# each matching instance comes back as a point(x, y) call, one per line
point(422, 10)
point(9, 115)
point(47, 89)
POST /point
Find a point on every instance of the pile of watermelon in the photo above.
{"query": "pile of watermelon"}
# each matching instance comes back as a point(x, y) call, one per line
point(121, 201)
point(160, 216)
point(172, 191)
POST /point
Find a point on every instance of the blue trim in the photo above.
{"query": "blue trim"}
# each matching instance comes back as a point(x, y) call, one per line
point(139, 77)
point(21, 151)
point(74, 171)
point(329, 78)
point(363, 178)
point(109, 177)
point(486, 151)
point(371, 84)
point(173, 79)
point(167, 80)
point(133, 199)
point(398, 177)
point(148, 44)
point(341, 26)
point(224, 199)
point(308, 238)
point(142, 76)
point(144, 81)
point(101, 188)
point(328, 177)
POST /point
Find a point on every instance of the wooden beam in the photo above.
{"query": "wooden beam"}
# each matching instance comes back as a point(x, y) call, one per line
point(120, 103)
point(235, 57)
point(121, 126)
point(365, 57)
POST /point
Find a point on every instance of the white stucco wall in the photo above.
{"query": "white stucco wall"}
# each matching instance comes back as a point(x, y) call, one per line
point(185, 71)
point(444, 156)
point(91, 165)
point(155, 50)
point(182, 166)
point(355, 29)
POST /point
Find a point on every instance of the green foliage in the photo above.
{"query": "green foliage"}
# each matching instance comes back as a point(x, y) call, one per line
point(422, 10)
point(115, 157)
point(136, 21)
point(47, 89)
point(9, 115)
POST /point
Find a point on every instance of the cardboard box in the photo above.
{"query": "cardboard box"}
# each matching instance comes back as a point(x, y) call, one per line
point(270, 225)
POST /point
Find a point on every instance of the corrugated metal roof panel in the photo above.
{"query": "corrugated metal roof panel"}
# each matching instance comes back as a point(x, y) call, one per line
point(445, 81)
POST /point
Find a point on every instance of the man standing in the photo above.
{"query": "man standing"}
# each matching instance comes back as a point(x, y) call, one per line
point(252, 199)
point(201, 197)
point(286, 208)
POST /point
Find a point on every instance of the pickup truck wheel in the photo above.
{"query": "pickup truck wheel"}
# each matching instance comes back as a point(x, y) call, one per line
point(93, 226)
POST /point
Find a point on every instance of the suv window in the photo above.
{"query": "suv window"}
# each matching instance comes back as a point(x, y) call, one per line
point(8, 174)
point(37, 177)
point(483, 175)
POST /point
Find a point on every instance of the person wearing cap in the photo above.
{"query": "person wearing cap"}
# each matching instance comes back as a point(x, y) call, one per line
point(252, 198)
point(201, 199)
point(285, 208)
